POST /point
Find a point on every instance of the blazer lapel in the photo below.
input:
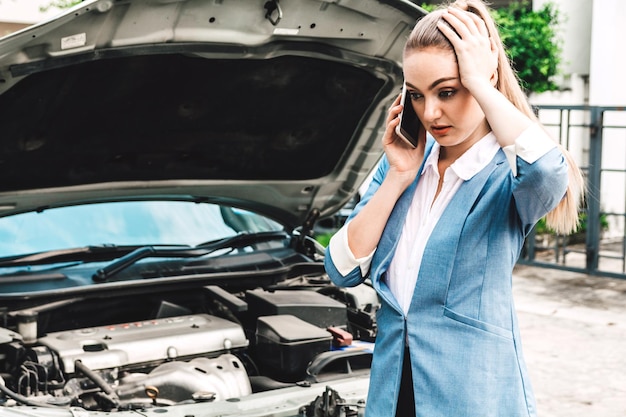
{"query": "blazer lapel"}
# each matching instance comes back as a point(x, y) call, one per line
point(437, 264)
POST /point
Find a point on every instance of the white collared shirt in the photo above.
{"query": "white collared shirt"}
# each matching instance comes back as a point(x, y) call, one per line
point(424, 213)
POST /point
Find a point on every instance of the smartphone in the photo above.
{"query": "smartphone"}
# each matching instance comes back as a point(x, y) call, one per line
point(409, 126)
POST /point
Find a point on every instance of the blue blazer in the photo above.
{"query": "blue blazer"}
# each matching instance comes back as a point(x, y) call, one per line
point(461, 328)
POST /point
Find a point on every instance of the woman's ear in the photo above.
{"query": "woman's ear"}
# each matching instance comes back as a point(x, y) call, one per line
point(494, 78)
point(496, 54)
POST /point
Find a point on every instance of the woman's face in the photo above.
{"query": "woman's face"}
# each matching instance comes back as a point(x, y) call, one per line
point(447, 109)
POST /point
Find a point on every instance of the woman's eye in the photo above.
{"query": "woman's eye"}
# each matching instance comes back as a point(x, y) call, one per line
point(446, 93)
point(415, 96)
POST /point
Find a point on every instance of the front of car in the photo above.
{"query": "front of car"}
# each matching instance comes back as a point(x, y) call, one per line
point(164, 164)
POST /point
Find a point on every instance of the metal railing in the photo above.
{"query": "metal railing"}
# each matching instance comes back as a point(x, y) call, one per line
point(596, 137)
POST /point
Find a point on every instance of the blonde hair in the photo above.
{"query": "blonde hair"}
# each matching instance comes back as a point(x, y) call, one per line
point(564, 218)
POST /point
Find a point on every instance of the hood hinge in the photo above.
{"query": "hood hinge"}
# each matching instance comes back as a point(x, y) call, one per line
point(273, 9)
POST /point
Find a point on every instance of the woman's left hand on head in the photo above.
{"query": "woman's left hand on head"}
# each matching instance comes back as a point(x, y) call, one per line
point(476, 51)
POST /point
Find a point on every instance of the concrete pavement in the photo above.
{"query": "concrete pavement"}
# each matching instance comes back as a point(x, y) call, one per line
point(574, 338)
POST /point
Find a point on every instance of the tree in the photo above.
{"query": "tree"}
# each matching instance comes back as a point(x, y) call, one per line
point(532, 42)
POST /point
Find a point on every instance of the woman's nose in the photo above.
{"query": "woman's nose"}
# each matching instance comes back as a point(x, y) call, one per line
point(432, 111)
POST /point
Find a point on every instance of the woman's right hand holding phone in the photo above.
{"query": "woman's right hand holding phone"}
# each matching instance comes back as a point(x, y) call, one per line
point(404, 160)
point(366, 228)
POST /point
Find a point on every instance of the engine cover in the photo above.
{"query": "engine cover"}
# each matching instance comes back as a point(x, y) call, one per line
point(150, 341)
point(219, 378)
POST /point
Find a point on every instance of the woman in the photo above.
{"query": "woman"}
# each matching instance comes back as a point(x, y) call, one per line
point(441, 226)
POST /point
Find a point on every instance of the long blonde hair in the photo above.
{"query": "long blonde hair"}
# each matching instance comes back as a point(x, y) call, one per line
point(564, 218)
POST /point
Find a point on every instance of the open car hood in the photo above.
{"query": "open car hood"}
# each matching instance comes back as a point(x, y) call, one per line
point(272, 106)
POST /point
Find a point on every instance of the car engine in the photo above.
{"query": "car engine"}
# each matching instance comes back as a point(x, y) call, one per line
point(201, 344)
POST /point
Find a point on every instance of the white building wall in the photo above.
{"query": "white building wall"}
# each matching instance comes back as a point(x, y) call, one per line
point(594, 58)
point(608, 88)
point(593, 62)
point(608, 59)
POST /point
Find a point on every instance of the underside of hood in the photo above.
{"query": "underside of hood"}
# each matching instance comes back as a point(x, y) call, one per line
point(276, 110)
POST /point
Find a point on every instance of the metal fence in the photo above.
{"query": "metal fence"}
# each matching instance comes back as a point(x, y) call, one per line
point(596, 137)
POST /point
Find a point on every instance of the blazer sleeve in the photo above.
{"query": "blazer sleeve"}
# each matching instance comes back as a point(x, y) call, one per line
point(337, 253)
point(542, 178)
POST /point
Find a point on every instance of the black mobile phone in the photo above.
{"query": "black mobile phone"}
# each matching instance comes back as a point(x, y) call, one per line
point(409, 126)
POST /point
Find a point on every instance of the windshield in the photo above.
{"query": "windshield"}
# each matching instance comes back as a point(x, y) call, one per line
point(126, 223)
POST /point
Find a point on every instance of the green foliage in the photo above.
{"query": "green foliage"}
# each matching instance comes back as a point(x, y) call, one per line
point(59, 4)
point(531, 40)
point(323, 238)
point(532, 43)
point(428, 7)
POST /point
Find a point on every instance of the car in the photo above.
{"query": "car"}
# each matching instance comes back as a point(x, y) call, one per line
point(164, 164)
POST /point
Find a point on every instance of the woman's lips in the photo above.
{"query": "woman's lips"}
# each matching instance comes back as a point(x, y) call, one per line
point(440, 130)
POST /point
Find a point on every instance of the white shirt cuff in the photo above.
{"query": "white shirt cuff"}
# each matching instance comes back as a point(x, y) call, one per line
point(531, 145)
point(342, 256)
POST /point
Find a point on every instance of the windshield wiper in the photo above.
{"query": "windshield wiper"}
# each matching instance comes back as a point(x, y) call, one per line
point(240, 240)
point(66, 255)
point(243, 239)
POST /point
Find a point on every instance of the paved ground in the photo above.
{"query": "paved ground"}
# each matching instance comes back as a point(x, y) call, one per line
point(574, 338)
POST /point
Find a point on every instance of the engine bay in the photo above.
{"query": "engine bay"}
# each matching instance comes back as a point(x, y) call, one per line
point(167, 346)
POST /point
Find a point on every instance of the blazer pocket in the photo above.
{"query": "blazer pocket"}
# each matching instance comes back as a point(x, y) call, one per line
point(481, 325)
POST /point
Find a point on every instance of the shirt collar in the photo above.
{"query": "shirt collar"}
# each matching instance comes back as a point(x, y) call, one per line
point(433, 157)
point(472, 161)
point(477, 157)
